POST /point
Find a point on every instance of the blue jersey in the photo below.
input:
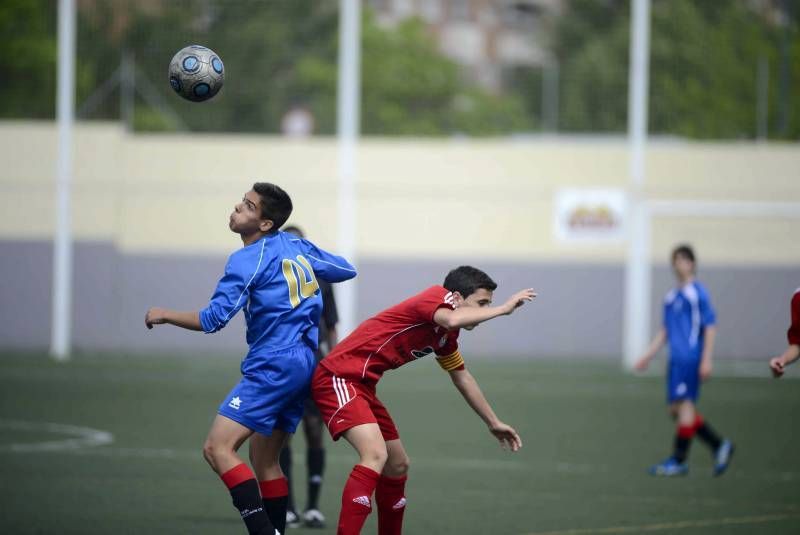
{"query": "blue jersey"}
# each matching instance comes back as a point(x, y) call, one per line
point(275, 281)
point(687, 312)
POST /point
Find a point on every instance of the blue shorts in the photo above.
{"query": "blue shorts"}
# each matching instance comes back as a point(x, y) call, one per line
point(273, 390)
point(683, 380)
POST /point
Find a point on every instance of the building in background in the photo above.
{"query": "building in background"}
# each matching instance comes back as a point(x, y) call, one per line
point(487, 37)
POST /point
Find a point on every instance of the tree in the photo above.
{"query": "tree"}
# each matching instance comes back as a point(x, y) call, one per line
point(283, 54)
point(28, 61)
point(703, 61)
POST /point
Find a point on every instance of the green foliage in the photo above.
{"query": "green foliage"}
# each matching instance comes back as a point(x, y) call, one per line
point(149, 119)
point(277, 55)
point(28, 61)
point(282, 54)
point(408, 87)
point(703, 69)
point(703, 64)
point(477, 113)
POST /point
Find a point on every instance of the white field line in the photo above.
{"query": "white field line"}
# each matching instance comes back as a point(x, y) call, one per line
point(88, 441)
point(80, 437)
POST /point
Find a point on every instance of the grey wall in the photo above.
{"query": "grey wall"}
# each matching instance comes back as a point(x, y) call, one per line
point(578, 311)
point(752, 306)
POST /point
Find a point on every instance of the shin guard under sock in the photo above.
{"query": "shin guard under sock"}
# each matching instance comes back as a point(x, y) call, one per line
point(391, 500)
point(706, 433)
point(242, 485)
point(275, 496)
point(357, 500)
point(683, 439)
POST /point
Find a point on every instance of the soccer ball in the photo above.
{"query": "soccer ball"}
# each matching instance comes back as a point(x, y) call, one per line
point(196, 73)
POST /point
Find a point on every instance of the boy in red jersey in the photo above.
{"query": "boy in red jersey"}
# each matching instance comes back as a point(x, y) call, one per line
point(792, 353)
point(344, 387)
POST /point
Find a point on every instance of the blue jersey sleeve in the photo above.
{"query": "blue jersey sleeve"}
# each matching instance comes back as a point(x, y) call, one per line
point(665, 309)
point(233, 289)
point(708, 317)
point(328, 267)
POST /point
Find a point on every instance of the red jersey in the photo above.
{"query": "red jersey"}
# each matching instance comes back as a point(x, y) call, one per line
point(794, 329)
point(398, 335)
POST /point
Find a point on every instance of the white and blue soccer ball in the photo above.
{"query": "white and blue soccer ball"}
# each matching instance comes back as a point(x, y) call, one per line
point(196, 73)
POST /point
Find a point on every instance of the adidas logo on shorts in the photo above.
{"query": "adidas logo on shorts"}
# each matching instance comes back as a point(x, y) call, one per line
point(363, 500)
point(400, 504)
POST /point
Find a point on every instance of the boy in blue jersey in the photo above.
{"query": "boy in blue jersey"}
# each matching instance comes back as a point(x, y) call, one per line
point(274, 278)
point(689, 328)
point(313, 425)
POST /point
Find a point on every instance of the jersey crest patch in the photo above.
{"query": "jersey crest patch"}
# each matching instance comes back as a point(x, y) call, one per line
point(424, 352)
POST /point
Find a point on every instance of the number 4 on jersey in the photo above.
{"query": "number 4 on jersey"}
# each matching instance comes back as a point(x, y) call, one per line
point(302, 282)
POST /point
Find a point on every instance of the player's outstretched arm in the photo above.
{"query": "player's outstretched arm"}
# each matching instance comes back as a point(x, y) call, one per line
point(185, 320)
point(466, 384)
point(470, 316)
point(655, 346)
point(327, 266)
point(778, 364)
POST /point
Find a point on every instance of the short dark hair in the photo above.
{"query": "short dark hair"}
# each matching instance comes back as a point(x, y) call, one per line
point(276, 205)
point(294, 229)
point(685, 250)
point(467, 279)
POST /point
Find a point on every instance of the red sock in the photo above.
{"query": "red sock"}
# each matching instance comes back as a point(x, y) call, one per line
point(698, 421)
point(357, 500)
point(242, 485)
point(237, 475)
point(686, 431)
point(391, 500)
point(275, 495)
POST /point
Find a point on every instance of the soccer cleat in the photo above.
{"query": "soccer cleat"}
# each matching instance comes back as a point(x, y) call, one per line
point(722, 457)
point(669, 468)
point(292, 520)
point(313, 518)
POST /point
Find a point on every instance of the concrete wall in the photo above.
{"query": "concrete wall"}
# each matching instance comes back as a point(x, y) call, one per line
point(150, 214)
point(577, 314)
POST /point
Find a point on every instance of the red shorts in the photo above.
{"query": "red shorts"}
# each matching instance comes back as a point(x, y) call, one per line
point(345, 404)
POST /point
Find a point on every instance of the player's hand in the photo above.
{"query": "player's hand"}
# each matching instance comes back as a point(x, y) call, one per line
point(519, 299)
point(507, 435)
point(154, 316)
point(705, 370)
point(641, 364)
point(777, 367)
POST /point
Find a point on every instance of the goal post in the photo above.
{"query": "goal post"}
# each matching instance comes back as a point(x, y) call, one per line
point(61, 329)
point(637, 267)
point(348, 107)
point(638, 309)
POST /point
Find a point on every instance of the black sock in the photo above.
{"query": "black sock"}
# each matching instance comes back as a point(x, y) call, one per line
point(286, 467)
point(276, 511)
point(316, 467)
point(707, 435)
point(247, 500)
point(681, 448)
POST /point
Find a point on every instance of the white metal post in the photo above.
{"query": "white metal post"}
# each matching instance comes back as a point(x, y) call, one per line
point(348, 104)
point(60, 342)
point(637, 270)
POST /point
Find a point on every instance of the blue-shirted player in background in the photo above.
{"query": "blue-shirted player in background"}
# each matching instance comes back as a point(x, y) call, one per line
point(274, 278)
point(689, 328)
